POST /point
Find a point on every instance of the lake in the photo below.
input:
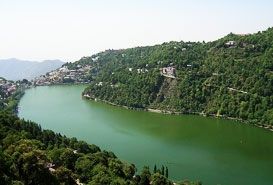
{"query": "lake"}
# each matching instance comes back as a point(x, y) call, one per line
point(211, 150)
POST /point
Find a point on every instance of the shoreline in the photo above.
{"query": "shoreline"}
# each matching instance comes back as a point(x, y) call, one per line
point(43, 85)
point(159, 111)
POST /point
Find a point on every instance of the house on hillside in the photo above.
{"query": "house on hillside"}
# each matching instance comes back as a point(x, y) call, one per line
point(63, 69)
point(168, 72)
point(143, 70)
point(95, 59)
point(231, 43)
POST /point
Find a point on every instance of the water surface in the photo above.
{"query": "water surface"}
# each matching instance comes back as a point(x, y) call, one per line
point(193, 147)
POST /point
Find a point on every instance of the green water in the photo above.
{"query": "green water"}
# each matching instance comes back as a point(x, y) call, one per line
point(193, 147)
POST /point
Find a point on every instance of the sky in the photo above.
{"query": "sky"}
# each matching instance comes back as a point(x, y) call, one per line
point(70, 29)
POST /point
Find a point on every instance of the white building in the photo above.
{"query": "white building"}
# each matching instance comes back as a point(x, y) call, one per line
point(168, 72)
point(231, 43)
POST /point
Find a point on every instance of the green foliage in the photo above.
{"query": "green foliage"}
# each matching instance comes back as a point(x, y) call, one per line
point(30, 155)
point(65, 176)
point(145, 176)
point(212, 78)
point(158, 179)
point(188, 183)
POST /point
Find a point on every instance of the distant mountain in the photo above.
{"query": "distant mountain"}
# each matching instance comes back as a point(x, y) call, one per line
point(14, 69)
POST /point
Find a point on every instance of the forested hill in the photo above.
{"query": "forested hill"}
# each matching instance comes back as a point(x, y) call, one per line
point(231, 77)
point(32, 156)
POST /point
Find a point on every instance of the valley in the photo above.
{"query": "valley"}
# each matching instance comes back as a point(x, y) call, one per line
point(192, 147)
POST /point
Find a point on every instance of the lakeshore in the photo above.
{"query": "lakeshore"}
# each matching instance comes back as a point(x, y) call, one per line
point(192, 144)
point(264, 126)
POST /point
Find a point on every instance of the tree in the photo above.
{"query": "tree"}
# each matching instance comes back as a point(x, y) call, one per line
point(162, 170)
point(84, 167)
point(159, 179)
point(167, 172)
point(4, 168)
point(155, 168)
point(32, 169)
point(65, 176)
point(83, 147)
point(145, 176)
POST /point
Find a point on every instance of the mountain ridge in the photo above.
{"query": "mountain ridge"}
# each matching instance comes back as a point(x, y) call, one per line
point(16, 69)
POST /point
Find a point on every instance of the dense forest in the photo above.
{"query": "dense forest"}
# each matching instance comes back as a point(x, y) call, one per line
point(32, 156)
point(230, 77)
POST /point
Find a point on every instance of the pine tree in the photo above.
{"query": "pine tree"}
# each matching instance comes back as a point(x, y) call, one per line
point(167, 172)
point(155, 168)
point(162, 170)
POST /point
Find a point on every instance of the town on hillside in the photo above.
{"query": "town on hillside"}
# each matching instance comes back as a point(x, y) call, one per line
point(10, 92)
point(81, 74)
point(7, 88)
point(62, 75)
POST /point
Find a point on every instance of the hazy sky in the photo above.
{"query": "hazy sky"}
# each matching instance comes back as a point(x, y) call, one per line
point(70, 29)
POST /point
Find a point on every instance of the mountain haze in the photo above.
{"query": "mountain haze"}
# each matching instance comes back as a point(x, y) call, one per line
point(15, 69)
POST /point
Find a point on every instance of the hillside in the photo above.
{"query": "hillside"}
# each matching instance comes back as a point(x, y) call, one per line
point(11, 93)
point(14, 69)
point(230, 77)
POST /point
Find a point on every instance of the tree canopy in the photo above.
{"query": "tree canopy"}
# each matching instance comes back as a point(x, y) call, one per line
point(229, 77)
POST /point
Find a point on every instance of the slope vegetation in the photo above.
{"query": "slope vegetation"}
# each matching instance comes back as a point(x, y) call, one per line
point(230, 77)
